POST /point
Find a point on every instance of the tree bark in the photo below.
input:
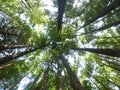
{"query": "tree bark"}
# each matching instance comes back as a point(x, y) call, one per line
point(104, 86)
point(60, 83)
point(3, 47)
point(104, 27)
point(61, 9)
point(10, 64)
point(33, 84)
point(74, 80)
point(15, 56)
point(45, 79)
point(8, 33)
point(12, 86)
point(104, 11)
point(85, 8)
point(109, 52)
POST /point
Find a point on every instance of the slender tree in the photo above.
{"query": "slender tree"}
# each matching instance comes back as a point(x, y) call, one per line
point(104, 11)
point(104, 27)
point(74, 80)
point(110, 52)
point(45, 79)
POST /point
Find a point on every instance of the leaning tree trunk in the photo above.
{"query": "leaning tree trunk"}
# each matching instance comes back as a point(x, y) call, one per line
point(60, 83)
point(3, 32)
point(104, 27)
point(3, 47)
point(104, 11)
point(5, 66)
point(34, 82)
point(17, 82)
point(85, 8)
point(104, 86)
point(14, 56)
point(110, 52)
point(45, 79)
point(74, 80)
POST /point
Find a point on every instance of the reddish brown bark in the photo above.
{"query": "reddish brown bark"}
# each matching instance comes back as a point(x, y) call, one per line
point(104, 11)
point(74, 80)
point(2, 47)
point(60, 83)
point(104, 27)
point(110, 52)
point(44, 81)
point(15, 56)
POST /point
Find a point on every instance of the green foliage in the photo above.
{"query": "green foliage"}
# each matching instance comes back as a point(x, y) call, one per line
point(27, 23)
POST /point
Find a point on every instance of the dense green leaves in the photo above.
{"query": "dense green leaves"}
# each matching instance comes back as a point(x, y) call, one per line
point(84, 55)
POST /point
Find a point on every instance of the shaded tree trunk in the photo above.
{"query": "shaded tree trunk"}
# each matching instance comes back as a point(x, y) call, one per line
point(8, 33)
point(10, 64)
point(113, 82)
point(104, 11)
point(45, 79)
point(74, 80)
point(85, 8)
point(104, 27)
point(61, 8)
point(15, 56)
point(33, 84)
point(3, 47)
point(104, 86)
point(17, 82)
point(110, 62)
point(110, 52)
point(112, 66)
point(60, 83)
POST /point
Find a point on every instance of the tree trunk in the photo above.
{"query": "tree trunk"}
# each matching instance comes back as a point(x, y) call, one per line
point(8, 33)
point(85, 8)
point(10, 64)
point(61, 8)
point(3, 47)
point(104, 86)
point(17, 82)
point(33, 84)
point(60, 83)
point(45, 79)
point(113, 66)
point(104, 11)
point(110, 52)
point(74, 80)
point(104, 27)
point(14, 56)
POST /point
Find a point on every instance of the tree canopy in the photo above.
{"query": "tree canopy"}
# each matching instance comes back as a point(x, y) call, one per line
point(59, 44)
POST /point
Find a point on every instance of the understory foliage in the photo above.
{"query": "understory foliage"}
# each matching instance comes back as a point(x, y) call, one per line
point(84, 55)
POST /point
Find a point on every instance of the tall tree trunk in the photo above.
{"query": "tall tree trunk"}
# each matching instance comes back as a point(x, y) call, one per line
point(17, 82)
point(3, 32)
point(104, 11)
point(104, 27)
point(60, 83)
point(61, 8)
point(110, 52)
point(104, 86)
point(110, 62)
point(45, 79)
point(113, 82)
point(33, 84)
point(113, 66)
point(3, 47)
point(14, 56)
point(85, 8)
point(4, 66)
point(74, 80)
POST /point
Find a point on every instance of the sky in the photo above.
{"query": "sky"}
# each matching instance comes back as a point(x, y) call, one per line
point(26, 80)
